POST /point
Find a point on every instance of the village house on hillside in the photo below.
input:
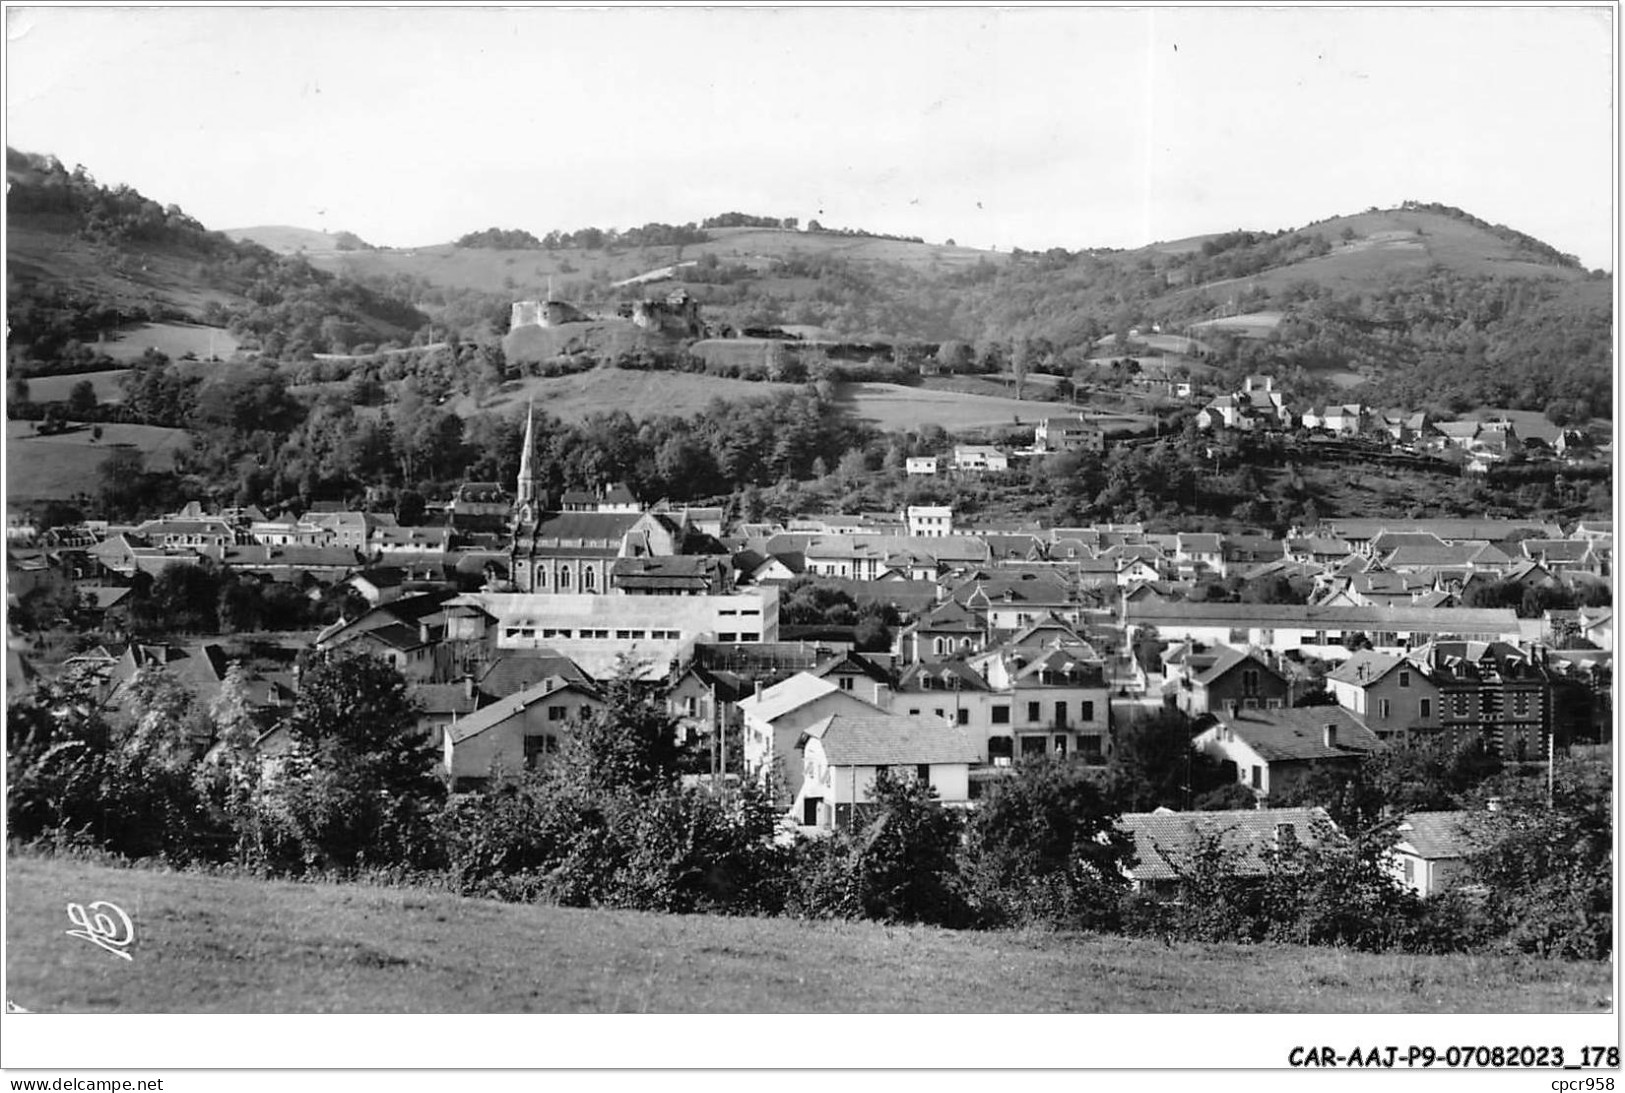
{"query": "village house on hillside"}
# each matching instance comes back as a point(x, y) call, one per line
point(1274, 750)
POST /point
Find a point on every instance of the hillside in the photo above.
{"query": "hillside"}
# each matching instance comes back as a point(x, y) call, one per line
point(87, 261)
point(1422, 306)
point(218, 945)
point(285, 240)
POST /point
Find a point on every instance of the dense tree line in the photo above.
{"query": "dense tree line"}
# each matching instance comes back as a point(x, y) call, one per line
point(255, 443)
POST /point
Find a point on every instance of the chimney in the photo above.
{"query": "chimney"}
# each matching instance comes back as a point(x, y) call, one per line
point(1331, 734)
point(423, 632)
point(468, 687)
point(758, 690)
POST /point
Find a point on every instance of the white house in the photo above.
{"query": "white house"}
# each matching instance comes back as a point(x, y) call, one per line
point(842, 755)
point(1431, 851)
point(979, 457)
point(775, 717)
point(921, 464)
point(929, 521)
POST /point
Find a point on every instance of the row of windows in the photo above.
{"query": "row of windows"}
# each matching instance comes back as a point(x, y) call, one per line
point(589, 578)
point(1035, 713)
point(1424, 708)
point(525, 633)
point(739, 611)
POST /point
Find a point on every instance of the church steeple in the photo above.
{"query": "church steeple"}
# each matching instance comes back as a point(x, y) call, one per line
point(525, 495)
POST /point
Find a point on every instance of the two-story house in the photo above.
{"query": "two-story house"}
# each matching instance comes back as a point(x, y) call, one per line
point(843, 754)
point(1391, 695)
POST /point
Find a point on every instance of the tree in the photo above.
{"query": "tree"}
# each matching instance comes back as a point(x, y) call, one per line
point(1021, 353)
point(358, 784)
point(954, 356)
point(1155, 766)
point(1044, 848)
point(630, 744)
point(898, 864)
point(82, 399)
point(1549, 868)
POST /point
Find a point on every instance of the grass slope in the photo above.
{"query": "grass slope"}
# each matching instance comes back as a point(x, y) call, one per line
point(286, 240)
point(228, 945)
point(892, 406)
point(1386, 243)
point(58, 467)
point(641, 394)
point(57, 388)
point(43, 249)
point(171, 339)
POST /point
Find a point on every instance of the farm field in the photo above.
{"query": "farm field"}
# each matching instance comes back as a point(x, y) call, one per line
point(894, 407)
point(641, 394)
point(56, 388)
point(224, 944)
point(60, 466)
point(171, 339)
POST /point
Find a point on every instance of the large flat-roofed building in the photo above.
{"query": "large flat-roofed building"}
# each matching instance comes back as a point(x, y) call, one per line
point(595, 631)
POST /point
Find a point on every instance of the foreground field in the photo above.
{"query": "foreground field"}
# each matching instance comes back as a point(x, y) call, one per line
point(226, 945)
point(60, 466)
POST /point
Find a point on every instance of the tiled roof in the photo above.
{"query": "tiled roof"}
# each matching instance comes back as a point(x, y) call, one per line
point(792, 694)
point(1227, 658)
point(1373, 665)
point(444, 698)
point(1298, 734)
point(946, 675)
point(591, 526)
point(1167, 842)
point(1432, 620)
point(497, 712)
point(518, 671)
point(893, 740)
point(1436, 835)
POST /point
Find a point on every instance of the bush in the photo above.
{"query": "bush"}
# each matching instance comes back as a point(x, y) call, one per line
point(1044, 848)
point(897, 865)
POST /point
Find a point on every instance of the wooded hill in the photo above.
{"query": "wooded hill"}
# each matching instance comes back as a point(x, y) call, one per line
point(86, 259)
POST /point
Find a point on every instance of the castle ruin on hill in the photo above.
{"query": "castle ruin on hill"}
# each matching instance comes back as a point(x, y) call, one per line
point(678, 315)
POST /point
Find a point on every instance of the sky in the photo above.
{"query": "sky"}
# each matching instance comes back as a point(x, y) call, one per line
point(997, 127)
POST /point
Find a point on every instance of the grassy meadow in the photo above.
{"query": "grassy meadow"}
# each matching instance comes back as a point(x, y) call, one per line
point(641, 394)
point(60, 466)
point(174, 340)
point(234, 945)
point(56, 388)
